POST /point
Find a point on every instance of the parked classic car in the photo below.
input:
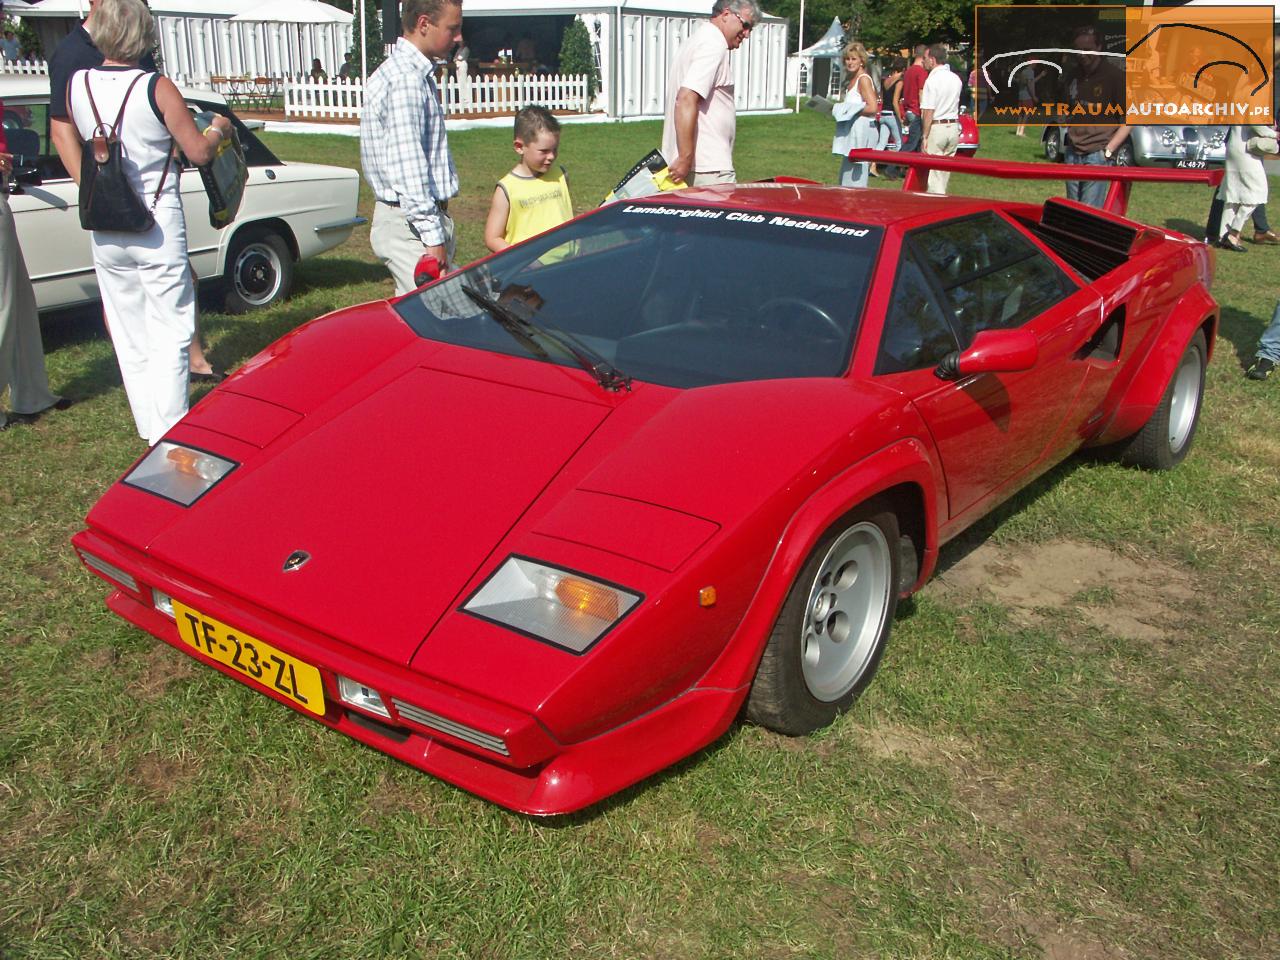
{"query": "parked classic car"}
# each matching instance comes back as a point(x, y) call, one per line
point(546, 525)
point(1170, 145)
point(289, 212)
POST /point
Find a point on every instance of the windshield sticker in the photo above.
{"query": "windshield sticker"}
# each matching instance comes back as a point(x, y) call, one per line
point(742, 216)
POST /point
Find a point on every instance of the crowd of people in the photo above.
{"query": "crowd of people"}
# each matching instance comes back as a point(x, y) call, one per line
point(103, 70)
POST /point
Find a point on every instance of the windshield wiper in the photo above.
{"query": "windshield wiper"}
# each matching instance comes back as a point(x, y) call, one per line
point(523, 327)
point(518, 328)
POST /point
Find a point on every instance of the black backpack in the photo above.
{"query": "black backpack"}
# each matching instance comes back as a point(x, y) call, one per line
point(107, 198)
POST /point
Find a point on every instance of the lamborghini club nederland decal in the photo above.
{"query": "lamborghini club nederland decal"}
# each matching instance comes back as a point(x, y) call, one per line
point(741, 216)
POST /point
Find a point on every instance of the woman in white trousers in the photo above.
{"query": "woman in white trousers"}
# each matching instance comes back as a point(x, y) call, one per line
point(147, 292)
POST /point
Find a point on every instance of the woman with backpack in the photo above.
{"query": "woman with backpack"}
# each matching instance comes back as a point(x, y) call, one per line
point(129, 120)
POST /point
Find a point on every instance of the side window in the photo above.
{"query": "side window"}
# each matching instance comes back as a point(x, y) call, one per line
point(916, 333)
point(992, 276)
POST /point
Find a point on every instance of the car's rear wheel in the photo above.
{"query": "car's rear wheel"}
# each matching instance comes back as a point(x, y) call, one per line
point(259, 270)
point(831, 633)
point(1166, 439)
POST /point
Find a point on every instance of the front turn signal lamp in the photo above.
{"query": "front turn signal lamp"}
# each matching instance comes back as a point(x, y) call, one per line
point(548, 603)
point(179, 473)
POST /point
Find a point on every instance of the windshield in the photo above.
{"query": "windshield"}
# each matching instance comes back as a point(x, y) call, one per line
point(671, 294)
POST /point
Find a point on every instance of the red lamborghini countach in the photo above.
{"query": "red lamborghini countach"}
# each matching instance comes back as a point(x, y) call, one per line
point(552, 522)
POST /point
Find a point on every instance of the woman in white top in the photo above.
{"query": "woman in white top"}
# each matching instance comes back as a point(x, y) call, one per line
point(147, 292)
point(855, 116)
point(1245, 184)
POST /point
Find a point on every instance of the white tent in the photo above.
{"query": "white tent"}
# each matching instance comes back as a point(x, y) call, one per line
point(635, 42)
point(816, 68)
point(204, 38)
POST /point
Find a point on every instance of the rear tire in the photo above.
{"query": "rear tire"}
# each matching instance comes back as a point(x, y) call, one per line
point(259, 270)
point(1165, 440)
point(831, 633)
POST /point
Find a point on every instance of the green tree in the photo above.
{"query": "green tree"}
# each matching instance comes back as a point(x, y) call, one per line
point(576, 55)
point(374, 47)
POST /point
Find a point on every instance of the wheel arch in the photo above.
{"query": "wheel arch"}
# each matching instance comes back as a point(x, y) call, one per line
point(905, 474)
point(1197, 310)
point(276, 225)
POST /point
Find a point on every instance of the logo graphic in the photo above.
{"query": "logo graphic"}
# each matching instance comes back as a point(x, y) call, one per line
point(1111, 65)
point(296, 561)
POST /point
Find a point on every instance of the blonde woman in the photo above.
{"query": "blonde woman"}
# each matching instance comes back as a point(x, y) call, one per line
point(855, 116)
point(144, 278)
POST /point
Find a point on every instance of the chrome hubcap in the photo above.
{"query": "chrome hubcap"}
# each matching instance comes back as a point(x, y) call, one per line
point(845, 615)
point(1185, 400)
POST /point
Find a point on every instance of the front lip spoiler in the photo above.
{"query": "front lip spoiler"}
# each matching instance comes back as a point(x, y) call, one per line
point(543, 777)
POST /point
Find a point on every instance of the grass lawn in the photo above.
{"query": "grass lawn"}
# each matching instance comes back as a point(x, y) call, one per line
point(1070, 750)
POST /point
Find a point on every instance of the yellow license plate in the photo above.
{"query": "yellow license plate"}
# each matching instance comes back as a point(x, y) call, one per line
point(272, 668)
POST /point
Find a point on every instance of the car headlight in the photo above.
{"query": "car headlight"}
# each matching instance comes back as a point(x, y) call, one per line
point(559, 606)
point(178, 473)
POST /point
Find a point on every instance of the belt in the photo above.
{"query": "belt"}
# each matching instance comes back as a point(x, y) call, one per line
point(442, 204)
point(946, 121)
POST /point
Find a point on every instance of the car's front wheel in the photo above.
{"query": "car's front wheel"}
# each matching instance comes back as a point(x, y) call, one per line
point(1166, 439)
point(831, 633)
point(1053, 144)
point(259, 270)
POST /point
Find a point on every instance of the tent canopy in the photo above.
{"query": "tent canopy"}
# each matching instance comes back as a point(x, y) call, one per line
point(294, 11)
point(830, 44)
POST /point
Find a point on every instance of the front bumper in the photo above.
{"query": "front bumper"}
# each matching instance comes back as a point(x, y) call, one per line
point(538, 775)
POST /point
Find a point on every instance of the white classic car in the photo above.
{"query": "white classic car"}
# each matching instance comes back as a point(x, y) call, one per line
point(290, 211)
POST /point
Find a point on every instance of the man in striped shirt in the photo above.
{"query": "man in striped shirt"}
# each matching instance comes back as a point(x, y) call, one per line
point(404, 148)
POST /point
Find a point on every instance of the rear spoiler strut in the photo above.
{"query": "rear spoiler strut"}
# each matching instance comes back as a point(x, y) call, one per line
point(1122, 178)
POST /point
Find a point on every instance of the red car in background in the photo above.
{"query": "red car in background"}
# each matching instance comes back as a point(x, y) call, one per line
point(552, 522)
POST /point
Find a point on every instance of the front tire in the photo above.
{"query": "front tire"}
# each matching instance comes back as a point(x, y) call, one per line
point(1165, 440)
point(1053, 144)
point(259, 271)
point(834, 624)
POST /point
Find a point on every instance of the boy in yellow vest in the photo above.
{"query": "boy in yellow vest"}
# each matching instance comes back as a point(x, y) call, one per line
point(532, 197)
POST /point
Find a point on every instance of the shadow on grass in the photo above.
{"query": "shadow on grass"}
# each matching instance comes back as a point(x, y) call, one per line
point(327, 272)
point(1185, 226)
point(1241, 329)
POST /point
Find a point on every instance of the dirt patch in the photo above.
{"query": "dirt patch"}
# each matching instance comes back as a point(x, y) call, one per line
point(162, 665)
point(390, 798)
point(1124, 596)
point(888, 741)
point(161, 777)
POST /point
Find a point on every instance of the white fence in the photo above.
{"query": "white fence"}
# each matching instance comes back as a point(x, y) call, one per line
point(24, 66)
point(462, 94)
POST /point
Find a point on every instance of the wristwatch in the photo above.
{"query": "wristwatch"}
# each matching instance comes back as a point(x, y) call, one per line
point(1106, 153)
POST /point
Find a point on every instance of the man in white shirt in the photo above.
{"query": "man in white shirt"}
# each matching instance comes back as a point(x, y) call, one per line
point(940, 110)
point(698, 132)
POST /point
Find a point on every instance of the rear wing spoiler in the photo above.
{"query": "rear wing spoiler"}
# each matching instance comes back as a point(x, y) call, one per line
point(1122, 178)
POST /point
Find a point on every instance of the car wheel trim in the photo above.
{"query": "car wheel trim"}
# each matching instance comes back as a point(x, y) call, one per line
point(846, 610)
point(1185, 400)
point(257, 273)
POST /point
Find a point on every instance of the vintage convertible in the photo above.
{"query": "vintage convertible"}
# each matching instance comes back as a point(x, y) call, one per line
point(551, 523)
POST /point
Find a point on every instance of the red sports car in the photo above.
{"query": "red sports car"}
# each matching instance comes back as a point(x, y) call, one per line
point(551, 523)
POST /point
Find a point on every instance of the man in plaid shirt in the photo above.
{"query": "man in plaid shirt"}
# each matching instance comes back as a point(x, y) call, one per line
point(404, 148)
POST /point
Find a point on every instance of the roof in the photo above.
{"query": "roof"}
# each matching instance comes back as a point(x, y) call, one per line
point(865, 206)
point(829, 45)
point(230, 8)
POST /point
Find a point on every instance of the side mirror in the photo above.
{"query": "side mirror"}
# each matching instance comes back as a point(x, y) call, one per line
point(992, 351)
